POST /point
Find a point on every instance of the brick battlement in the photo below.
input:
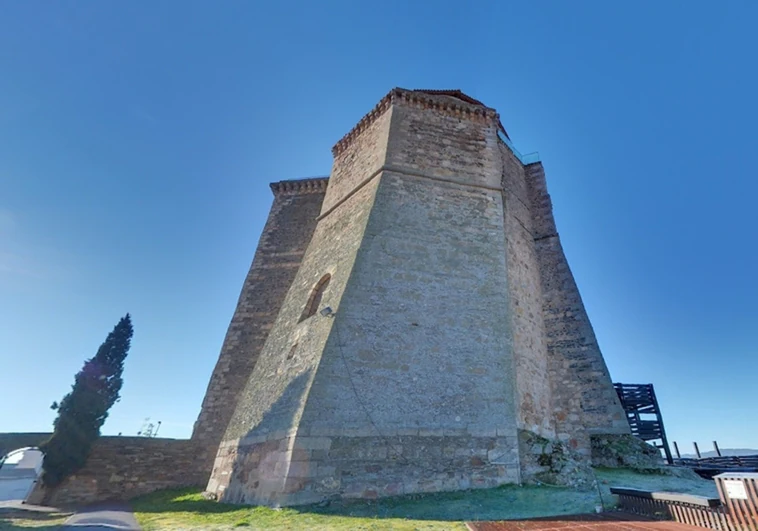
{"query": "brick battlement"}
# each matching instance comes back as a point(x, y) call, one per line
point(453, 102)
point(300, 186)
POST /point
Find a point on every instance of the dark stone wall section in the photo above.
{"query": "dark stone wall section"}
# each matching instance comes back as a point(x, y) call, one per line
point(118, 468)
point(584, 401)
point(286, 235)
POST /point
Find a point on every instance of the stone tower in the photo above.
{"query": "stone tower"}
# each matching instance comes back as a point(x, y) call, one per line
point(409, 324)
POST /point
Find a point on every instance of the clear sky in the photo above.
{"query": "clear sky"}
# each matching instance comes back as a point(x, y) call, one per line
point(137, 141)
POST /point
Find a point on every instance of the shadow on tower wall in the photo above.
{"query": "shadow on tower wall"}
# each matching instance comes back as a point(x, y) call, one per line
point(254, 468)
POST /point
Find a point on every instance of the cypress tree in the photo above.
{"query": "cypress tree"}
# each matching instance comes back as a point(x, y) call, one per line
point(83, 411)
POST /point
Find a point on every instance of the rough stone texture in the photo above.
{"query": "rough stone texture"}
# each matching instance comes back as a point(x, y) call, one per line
point(397, 356)
point(525, 302)
point(584, 401)
point(14, 441)
point(271, 405)
point(287, 232)
point(456, 322)
point(311, 469)
point(118, 468)
point(358, 163)
point(429, 141)
point(405, 353)
point(553, 462)
point(624, 451)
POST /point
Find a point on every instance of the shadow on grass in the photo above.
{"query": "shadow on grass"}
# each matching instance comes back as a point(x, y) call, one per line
point(21, 519)
point(180, 500)
point(186, 509)
point(8, 525)
point(503, 503)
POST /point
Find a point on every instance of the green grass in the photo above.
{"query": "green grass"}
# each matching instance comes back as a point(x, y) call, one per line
point(39, 521)
point(186, 509)
point(679, 480)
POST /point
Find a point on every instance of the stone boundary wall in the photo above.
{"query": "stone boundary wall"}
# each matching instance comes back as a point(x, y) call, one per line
point(14, 441)
point(119, 468)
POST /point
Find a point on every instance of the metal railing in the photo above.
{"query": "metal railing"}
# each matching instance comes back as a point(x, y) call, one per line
point(529, 158)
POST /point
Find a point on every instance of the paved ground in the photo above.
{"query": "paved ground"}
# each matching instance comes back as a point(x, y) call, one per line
point(102, 517)
point(593, 522)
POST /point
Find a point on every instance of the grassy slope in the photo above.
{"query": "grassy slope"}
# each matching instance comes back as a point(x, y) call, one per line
point(188, 510)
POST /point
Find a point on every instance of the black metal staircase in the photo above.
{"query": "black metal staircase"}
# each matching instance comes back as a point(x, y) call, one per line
point(639, 400)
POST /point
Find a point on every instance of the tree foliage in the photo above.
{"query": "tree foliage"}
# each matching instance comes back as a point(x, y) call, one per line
point(83, 411)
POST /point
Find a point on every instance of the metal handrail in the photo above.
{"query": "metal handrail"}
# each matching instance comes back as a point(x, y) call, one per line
point(529, 158)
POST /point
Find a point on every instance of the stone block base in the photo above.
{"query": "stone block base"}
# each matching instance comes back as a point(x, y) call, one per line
point(308, 469)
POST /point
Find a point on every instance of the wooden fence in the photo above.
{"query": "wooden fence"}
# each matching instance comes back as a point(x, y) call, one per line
point(709, 467)
point(683, 508)
point(739, 495)
point(735, 510)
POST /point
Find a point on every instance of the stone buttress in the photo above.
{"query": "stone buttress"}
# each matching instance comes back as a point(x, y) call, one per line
point(285, 236)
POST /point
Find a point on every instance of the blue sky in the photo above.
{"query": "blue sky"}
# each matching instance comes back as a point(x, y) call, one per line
point(137, 141)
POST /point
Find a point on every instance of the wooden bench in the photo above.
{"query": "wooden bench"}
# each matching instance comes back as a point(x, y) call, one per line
point(684, 508)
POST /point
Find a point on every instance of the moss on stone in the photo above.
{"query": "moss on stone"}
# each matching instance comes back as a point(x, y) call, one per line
point(552, 462)
point(625, 451)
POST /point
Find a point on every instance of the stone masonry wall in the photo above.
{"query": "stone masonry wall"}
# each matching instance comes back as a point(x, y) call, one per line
point(118, 468)
point(287, 232)
point(271, 405)
point(456, 327)
point(14, 441)
point(360, 161)
point(415, 388)
point(584, 401)
point(456, 147)
point(534, 403)
point(311, 437)
point(415, 393)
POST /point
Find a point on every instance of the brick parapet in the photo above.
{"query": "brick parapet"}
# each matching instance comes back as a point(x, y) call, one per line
point(438, 100)
point(316, 185)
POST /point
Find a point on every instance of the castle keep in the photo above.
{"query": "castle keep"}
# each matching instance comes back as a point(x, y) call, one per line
point(409, 324)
